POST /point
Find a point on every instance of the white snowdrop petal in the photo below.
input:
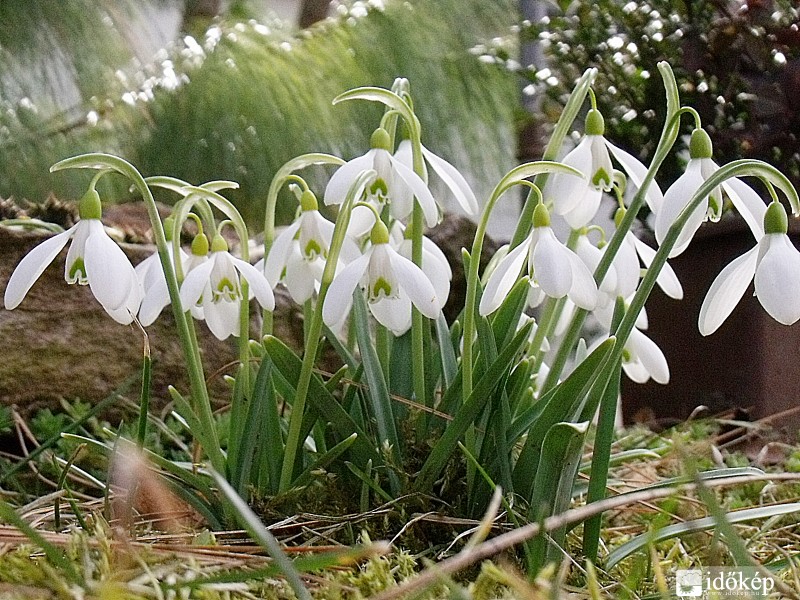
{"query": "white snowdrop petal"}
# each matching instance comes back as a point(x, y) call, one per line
point(339, 297)
point(667, 280)
point(299, 279)
point(551, 265)
point(726, 291)
point(222, 317)
point(420, 190)
point(415, 284)
point(748, 204)
point(583, 291)
point(342, 179)
point(110, 273)
point(31, 267)
point(636, 372)
point(676, 198)
point(626, 262)
point(438, 274)
point(154, 301)
point(258, 284)
point(636, 172)
point(195, 284)
point(565, 190)
point(650, 355)
point(279, 251)
point(503, 278)
point(777, 278)
point(585, 210)
point(361, 221)
point(393, 313)
point(454, 180)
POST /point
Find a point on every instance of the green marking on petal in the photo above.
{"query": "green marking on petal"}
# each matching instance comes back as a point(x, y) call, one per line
point(381, 286)
point(312, 250)
point(77, 272)
point(626, 356)
point(601, 178)
point(226, 289)
point(379, 188)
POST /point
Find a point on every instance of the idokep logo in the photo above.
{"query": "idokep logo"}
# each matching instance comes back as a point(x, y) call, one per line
point(723, 582)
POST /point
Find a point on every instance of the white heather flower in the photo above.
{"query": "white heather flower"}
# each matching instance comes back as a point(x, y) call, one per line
point(451, 177)
point(699, 168)
point(774, 264)
point(553, 267)
point(298, 255)
point(393, 284)
point(215, 285)
point(390, 184)
point(93, 258)
point(577, 199)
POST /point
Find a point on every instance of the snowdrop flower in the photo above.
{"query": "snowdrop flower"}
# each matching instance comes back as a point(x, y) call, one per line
point(553, 267)
point(215, 285)
point(434, 263)
point(393, 284)
point(454, 180)
point(774, 263)
point(93, 258)
point(642, 359)
point(699, 168)
point(388, 188)
point(154, 282)
point(577, 199)
point(298, 255)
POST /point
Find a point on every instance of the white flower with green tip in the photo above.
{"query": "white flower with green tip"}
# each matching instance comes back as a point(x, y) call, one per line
point(551, 266)
point(216, 286)
point(297, 256)
point(577, 199)
point(774, 265)
point(699, 168)
point(93, 258)
point(388, 188)
point(393, 283)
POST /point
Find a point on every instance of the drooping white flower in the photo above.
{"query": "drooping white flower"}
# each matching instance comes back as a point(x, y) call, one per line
point(393, 283)
point(154, 282)
point(577, 199)
point(93, 258)
point(434, 263)
point(699, 168)
point(553, 267)
point(390, 185)
point(774, 264)
point(216, 286)
point(298, 255)
point(451, 177)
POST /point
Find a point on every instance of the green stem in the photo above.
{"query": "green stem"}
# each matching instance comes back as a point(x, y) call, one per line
point(293, 441)
point(275, 186)
point(191, 352)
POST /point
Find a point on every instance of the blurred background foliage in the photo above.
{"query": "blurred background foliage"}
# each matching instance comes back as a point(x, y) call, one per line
point(209, 89)
point(182, 91)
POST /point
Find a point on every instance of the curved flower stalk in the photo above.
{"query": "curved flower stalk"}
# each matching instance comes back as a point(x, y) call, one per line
point(93, 258)
point(577, 199)
point(699, 168)
point(393, 283)
point(156, 293)
point(774, 264)
point(451, 177)
point(297, 256)
point(553, 267)
point(216, 285)
point(391, 186)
